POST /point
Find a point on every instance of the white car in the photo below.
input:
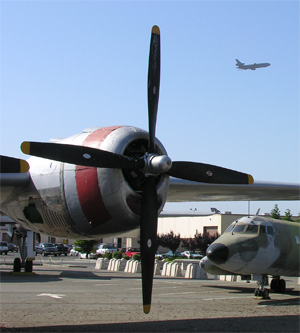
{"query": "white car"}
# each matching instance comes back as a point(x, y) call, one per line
point(73, 252)
point(85, 256)
point(192, 254)
point(106, 248)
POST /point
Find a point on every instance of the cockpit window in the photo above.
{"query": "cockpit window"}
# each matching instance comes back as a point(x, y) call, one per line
point(239, 228)
point(252, 229)
point(262, 229)
point(270, 230)
point(229, 229)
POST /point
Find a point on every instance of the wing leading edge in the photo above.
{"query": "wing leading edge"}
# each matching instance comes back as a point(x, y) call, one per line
point(14, 178)
point(187, 191)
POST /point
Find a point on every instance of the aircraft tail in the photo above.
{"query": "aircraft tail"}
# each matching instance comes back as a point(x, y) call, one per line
point(238, 63)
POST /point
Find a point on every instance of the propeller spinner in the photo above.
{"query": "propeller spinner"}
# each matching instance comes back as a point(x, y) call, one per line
point(151, 165)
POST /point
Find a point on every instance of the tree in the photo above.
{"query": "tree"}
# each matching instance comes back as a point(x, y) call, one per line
point(85, 246)
point(170, 241)
point(288, 215)
point(203, 241)
point(275, 213)
point(189, 244)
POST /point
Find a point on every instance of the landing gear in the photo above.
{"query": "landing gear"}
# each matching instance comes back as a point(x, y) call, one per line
point(278, 285)
point(261, 292)
point(28, 266)
point(26, 254)
point(17, 265)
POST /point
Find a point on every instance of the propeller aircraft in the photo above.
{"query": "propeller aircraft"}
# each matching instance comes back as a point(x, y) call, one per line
point(257, 246)
point(105, 181)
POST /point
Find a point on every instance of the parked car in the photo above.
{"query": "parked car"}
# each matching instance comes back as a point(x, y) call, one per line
point(192, 254)
point(3, 247)
point(170, 254)
point(158, 256)
point(46, 249)
point(132, 251)
point(12, 247)
point(62, 249)
point(73, 251)
point(70, 247)
point(86, 256)
point(106, 248)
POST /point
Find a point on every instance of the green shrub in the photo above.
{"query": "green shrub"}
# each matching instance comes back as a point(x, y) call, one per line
point(136, 257)
point(126, 257)
point(118, 255)
point(107, 255)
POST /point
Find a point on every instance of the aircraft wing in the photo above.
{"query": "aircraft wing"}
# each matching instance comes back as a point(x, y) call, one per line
point(12, 185)
point(14, 178)
point(187, 191)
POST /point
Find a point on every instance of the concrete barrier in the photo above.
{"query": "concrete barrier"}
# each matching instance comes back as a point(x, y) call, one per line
point(176, 270)
point(166, 268)
point(116, 265)
point(122, 264)
point(101, 263)
point(194, 271)
point(156, 268)
point(136, 266)
point(128, 266)
point(132, 266)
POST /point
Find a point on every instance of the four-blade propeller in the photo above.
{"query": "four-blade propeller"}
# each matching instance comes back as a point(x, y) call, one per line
point(151, 165)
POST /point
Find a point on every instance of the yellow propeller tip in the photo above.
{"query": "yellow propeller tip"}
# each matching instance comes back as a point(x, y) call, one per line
point(250, 179)
point(24, 166)
point(155, 30)
point(147, 308)
point(25, 147)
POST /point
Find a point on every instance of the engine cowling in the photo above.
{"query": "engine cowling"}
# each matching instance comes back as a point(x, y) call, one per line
point(92, 202)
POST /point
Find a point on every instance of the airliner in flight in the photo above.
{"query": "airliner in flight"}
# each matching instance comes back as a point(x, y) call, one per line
point(241, 65)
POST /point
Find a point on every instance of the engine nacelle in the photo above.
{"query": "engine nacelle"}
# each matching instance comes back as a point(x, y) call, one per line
point(77, 201)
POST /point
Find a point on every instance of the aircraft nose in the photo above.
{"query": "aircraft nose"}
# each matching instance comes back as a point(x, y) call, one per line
point(217, 253)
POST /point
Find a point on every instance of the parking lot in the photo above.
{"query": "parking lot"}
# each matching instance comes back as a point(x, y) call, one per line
point(68, 294)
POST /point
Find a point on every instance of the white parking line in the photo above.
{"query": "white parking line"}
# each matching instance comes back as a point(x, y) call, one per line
point(56, 296)
point(225, 298)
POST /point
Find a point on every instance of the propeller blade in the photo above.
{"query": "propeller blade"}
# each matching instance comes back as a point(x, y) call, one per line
point(79, 155)
point(13, 165)
point(206, 173)
point(153, 85)
point(148, 235)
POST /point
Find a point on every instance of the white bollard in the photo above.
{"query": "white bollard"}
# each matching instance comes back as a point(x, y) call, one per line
point(102, 263)
point(164, 269)
point(109, 265)
point(98, 263)
point(188, 271)
point(126, 270)
point(168, 270)
point(117, 265)
point(130, 263)
point(173, 269)
point(122, 264)
point(156, 268)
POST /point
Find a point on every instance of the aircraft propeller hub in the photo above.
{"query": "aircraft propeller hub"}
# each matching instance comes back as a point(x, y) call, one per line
point(157, 164)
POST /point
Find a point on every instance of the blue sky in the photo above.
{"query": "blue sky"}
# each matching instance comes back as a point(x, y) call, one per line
point(69, 65)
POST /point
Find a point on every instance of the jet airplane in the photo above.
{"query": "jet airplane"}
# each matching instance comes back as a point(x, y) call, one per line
point(253, 67)
point(105, 181)
point(257, 246)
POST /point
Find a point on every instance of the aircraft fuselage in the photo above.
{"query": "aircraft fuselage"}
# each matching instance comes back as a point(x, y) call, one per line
point(258, 245)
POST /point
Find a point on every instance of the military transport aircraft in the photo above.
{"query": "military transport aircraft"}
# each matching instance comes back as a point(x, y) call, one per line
point(258, 246)
point(253, 67)
point(106, 181)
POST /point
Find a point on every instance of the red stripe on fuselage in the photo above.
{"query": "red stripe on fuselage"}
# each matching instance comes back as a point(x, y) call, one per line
point(88, 189)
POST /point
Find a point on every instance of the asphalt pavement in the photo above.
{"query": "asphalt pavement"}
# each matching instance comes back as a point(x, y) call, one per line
point(68, 295)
